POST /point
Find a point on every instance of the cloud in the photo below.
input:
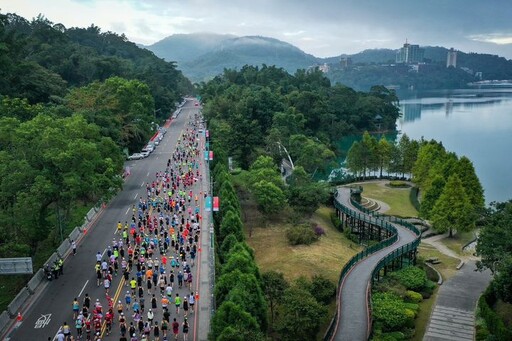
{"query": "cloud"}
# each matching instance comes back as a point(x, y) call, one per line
point(321, 27)
point(296, 33)
point(495, 38)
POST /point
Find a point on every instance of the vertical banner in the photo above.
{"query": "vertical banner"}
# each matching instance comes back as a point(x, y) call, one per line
point(211, 155)
point(208, 204)
point(216, 204)
point(206, 155)
point(207, 133)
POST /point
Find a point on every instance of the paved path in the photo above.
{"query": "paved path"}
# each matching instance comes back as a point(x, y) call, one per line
point(352, 321)
point(453, 317)
point(54, 300)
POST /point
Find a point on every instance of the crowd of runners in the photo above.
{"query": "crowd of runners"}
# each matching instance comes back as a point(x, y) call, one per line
point(154, 253)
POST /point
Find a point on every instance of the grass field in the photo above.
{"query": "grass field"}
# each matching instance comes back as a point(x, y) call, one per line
point(448, 265)
point(458, 241)
point(396, 198)
point(325, 257)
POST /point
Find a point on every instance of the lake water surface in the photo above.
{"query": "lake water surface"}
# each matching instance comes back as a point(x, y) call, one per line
point(475, 123)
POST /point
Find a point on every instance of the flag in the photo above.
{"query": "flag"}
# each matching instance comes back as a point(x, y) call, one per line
point(211, 155)
point(208, 204)
point(216, 204)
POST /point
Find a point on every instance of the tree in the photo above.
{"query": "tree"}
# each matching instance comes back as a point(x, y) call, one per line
point(310, 153)
point(431, 196)
point(304, 194)
point(465, 170)
point(428, 154)
point(234, 316)
point(269, 197)
point(495, 238)
point(363, 155)
point(453, 211)
point(231, 224)
point(383, 154)
point(301, 315)
point(274, 286)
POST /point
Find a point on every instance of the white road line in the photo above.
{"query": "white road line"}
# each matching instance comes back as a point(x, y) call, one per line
point(81, 291)
point(135, 197)
point(147, 174)
point(103, 254)
point(127, 210)
point(142, 184)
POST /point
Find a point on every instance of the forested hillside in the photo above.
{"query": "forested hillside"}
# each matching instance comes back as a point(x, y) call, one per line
point(255, 109)
point(41, 60)
point(71, 100)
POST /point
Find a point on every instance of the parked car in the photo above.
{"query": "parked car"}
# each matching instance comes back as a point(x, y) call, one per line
point(135, 156)
point(145, 154)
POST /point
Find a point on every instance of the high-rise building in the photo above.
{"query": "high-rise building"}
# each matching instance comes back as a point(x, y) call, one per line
point(451, 59)
point(409, 54)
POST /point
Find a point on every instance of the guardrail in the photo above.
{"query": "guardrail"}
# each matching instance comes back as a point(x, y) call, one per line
point(38, 278)
point(384, 222)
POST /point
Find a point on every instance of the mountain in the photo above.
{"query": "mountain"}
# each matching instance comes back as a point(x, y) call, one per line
point(186, 47)
point(203, 56)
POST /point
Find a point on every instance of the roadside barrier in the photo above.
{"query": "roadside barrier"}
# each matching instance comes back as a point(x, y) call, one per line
point(34, 284)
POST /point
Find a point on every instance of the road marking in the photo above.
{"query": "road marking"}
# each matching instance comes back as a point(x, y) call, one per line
point(127, 210)
point(43, 321)
point(81, 291)
point(147, 174)
point(103, 254)
point(142, 184)
point(135, 197)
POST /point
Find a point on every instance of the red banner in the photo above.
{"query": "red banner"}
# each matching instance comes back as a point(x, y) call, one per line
point(211, 155)
point(216, 204)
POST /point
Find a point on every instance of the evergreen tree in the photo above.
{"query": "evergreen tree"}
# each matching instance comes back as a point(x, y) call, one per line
point(453, 211)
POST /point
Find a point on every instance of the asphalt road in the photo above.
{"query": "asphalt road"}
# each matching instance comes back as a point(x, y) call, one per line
point(53, 305)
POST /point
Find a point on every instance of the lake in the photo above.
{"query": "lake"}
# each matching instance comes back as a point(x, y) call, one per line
point(476, 123)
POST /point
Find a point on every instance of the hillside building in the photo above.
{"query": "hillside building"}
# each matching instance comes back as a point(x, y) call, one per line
point(451, 59)
point(409, 54)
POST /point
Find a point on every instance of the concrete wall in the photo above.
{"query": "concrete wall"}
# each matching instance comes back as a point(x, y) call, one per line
point(32, 286)
point(35, 281)
point(14, 307)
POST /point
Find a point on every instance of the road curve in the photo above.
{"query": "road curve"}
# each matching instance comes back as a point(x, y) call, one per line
point(352, 321)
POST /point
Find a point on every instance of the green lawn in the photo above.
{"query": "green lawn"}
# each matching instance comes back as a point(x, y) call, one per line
point(396, 198)
point(458, 241)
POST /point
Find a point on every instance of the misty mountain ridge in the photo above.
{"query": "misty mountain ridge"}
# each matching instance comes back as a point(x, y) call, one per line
point(202, 56)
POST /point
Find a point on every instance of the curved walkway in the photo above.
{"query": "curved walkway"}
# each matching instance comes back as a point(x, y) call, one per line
point(352, 321)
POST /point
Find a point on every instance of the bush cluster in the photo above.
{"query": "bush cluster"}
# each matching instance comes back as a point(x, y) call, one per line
point(301, 235)
point(398, 184)
point(397, 304)
point(494, 328)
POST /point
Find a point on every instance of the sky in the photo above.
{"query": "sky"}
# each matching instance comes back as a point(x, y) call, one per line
point(323, 28)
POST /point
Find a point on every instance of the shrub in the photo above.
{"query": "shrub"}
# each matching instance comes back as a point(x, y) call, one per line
point(415, 308)
point(322, 289)
point(413, 278)
point(350, 236)
point(428, 289)
point(318, 230)
point(301, 235)
point(390, 310)
point(336, 222)
point(413, 297)
point(398, 184)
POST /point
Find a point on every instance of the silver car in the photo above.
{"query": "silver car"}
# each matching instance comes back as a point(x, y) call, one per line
point(135, 156)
